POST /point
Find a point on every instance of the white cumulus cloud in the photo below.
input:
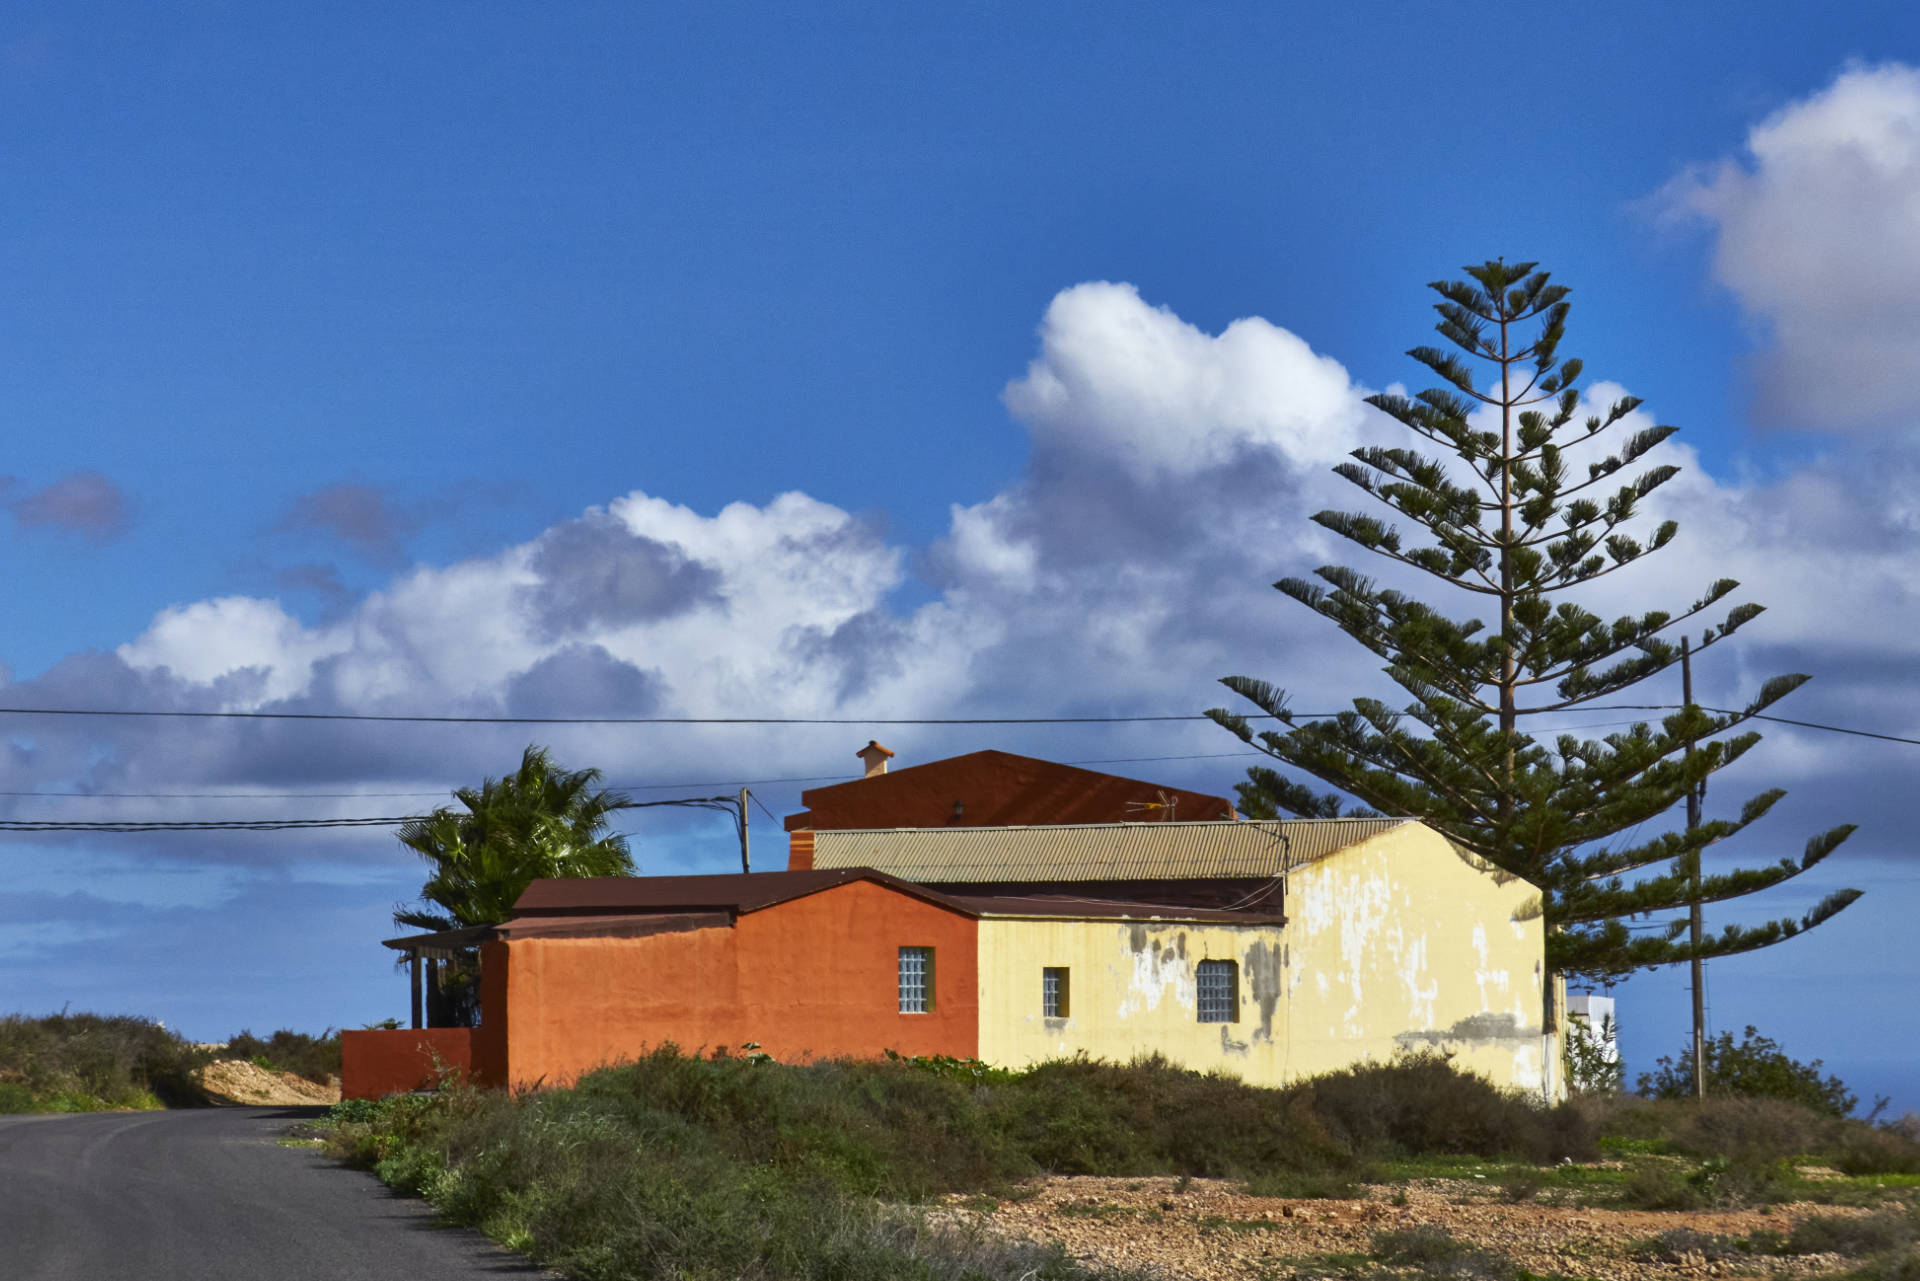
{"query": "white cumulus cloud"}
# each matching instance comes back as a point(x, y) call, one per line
point(1818, 235)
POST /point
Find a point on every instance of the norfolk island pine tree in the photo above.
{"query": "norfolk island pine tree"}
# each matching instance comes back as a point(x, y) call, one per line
point(1521, 533)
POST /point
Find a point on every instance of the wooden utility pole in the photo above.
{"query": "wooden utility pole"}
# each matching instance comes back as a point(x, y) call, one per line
point(745, 866)
point(1695, 795)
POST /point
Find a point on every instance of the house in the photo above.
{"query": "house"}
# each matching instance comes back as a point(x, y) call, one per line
point(1388, 938)
point(1352, 939)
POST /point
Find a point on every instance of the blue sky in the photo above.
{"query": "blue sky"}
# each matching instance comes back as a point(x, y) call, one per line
point(837, 361)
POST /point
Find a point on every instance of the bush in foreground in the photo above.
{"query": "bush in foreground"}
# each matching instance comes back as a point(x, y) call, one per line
point(727, 1167)
point(85, 1062)
point(94, 1062)
point(1755, 1068)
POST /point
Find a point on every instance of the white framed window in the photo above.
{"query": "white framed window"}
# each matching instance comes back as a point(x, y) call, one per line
point(1219, 989)
point(916, 980)
point(1055, 1000)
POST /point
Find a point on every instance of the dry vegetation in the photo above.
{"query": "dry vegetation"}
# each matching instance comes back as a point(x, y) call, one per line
point(92, 1062)
point(726, 1168)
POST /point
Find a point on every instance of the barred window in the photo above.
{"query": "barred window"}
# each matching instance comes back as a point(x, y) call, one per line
point(1053, 992)
point(916, 980)
point(1219, 986)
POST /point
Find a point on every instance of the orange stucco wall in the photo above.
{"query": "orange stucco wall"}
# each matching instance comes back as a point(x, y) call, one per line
point(490, 1038)
point(816, 977)
point(378, 1061)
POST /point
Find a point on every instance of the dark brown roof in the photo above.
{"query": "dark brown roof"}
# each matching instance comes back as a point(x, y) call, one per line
point(562, 906)
point(1074, 908)
point(734, 892)
point(996, 789)
point(612, 924)
point(632, 906)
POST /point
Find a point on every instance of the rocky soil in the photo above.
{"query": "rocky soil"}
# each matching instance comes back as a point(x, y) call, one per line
point(1209, 1229)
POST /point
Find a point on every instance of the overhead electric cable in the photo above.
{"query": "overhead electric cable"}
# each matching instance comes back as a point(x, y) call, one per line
point(200, 825)
point(1144, 719)
point(620, 720)
point(728, 804)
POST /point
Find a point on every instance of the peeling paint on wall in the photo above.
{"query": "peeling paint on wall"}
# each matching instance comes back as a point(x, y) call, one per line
point(1392, 945)
point(1263, 965)
point(1160, 970)
point(1474, 1031)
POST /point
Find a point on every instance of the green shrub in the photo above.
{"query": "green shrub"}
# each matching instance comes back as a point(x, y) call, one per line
point(1751, 1131)
point(93, 1060)
point(1757, 1068)
point(1678, 1245)
point(1421, 1105)
point(1079, 1116)
point(601, 1184)
point(723, 1166)
point(1853, 1236)
point(1861, 1150)
point(1661, 1185)
point(1434, 1252)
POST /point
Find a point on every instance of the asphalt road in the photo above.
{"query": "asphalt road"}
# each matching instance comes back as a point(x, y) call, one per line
point(210, 1195)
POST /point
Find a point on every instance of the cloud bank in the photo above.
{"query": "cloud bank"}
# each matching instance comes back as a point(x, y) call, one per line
point(1170, 479)
point(1815, 234)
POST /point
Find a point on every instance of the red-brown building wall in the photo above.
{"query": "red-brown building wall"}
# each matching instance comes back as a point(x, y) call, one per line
point(377, 1062)
point(815, 977)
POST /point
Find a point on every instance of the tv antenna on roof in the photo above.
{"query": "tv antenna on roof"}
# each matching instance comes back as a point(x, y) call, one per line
point(1161, 810)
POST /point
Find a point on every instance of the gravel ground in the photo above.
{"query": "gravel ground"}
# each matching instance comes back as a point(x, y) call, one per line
point(1209, 1229)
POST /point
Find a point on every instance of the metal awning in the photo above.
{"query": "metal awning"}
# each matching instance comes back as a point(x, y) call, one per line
point(442, 944)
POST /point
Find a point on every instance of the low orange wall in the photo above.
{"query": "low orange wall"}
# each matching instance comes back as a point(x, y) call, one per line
point(377, 1062)
point(813, 978)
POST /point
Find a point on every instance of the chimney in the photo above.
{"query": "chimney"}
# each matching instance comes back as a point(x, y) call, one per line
point(876, 758)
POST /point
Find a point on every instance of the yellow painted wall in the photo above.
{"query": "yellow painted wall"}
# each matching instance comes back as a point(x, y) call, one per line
point(1399, 943)
point(1131, 992)
point(1403, 943)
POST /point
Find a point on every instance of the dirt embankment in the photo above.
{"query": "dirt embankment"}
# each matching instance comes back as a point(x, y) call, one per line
point(238, 1082)
point(1208, 1229)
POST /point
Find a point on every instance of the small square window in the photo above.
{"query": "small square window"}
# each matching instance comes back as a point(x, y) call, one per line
point(1053, 992)
point(916, 980)
point(1219, 990)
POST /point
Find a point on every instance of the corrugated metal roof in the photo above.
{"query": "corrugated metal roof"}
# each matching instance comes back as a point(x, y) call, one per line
point(1093, 851)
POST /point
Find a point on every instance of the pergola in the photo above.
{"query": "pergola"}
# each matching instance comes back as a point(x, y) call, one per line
point(434, 950)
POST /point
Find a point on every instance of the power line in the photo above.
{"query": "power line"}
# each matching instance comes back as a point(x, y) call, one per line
point(234, 796)
point(616, 787)
point(763, 809)
point(1144, 719)
point(200, 825)
point(1832, 729)
point(708, 802)
point(728, 804)
point(619, 720)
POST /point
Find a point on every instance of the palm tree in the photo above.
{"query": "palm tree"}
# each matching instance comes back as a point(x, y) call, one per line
point(538, 822)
